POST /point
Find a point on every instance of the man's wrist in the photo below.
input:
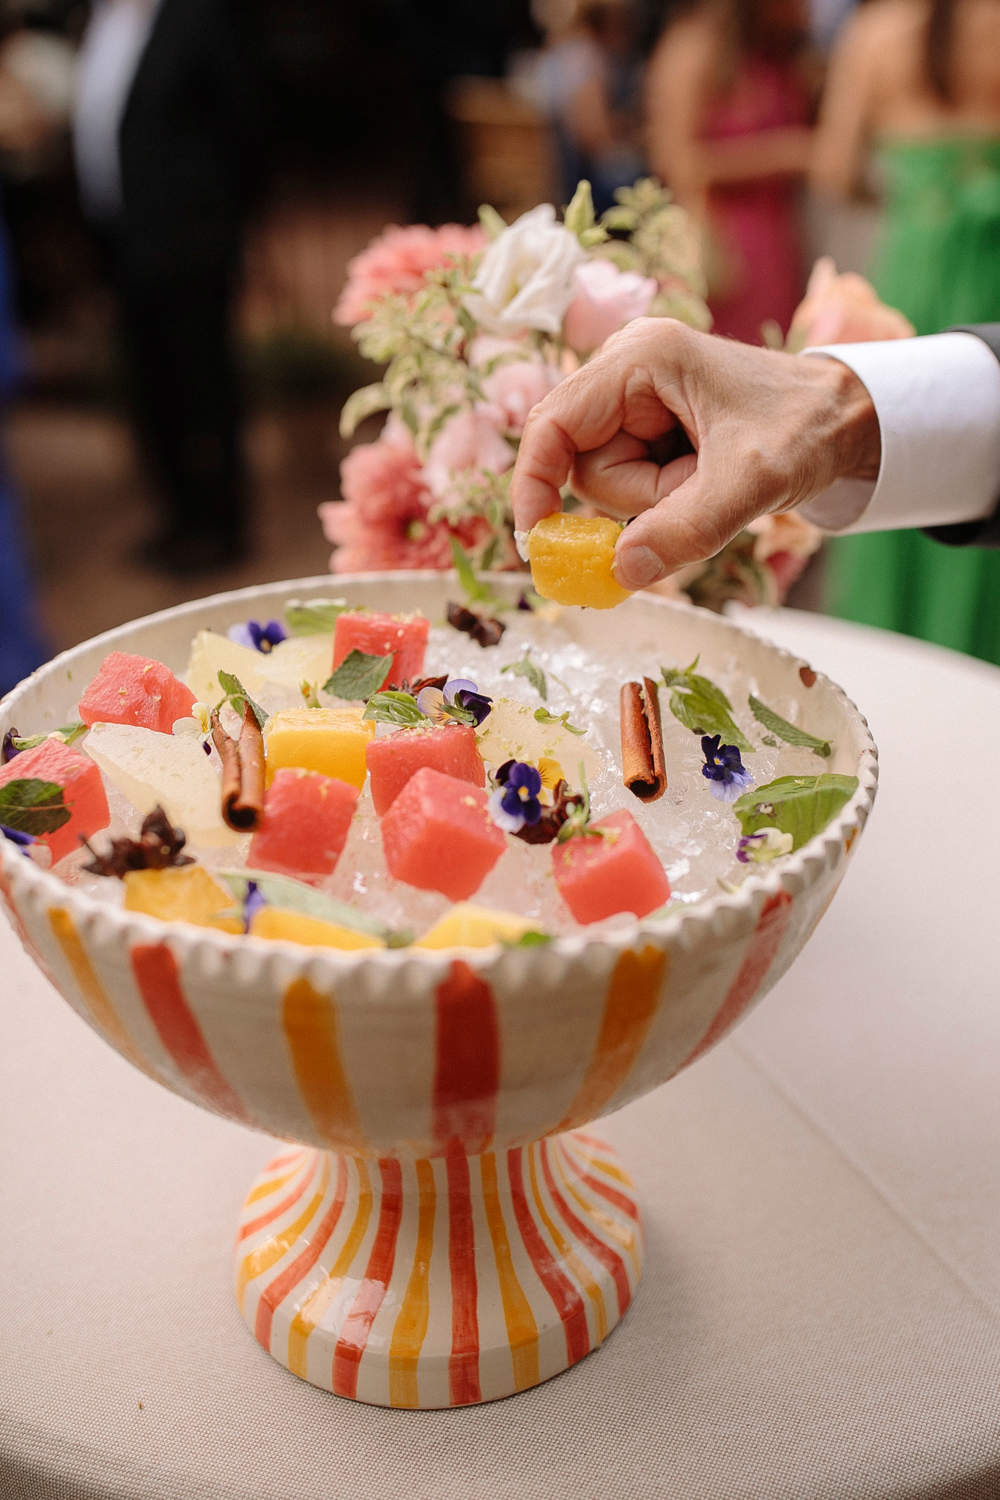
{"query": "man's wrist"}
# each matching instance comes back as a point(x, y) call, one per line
point(859, 437)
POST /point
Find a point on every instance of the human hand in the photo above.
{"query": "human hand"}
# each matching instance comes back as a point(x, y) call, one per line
point(694, 436)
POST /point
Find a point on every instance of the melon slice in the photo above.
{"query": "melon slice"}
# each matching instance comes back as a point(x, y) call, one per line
point(137, 690)
point(572, 559)
point(296, 927)
point(183, 894)
point(599, 877)
point(332, 741)
point(307, 818)
point(403, 637)
point(469, 926)
point(83, 790)
point(438, 835)
point(170, 769)
point(392, 760)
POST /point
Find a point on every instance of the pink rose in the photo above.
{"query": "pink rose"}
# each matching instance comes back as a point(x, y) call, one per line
point(843, 309)
point(397, 260)
point(515, 387)
point(470, 443)
point(604, 300)
point(783, 544)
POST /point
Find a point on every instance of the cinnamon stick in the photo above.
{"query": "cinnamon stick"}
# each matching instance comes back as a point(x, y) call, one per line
point(243, 768)
point(643, 768)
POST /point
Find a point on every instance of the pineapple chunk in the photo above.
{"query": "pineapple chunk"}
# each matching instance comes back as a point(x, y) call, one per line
point(571, 560)
point(329, 740)
point(186, 893)
point(511, 732)
point(295, 927)
point(471, 926)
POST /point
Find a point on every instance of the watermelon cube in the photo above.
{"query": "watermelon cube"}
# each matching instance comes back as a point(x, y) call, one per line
point(83, 790)
point(438, 835)
point(599, 876)
point(307, 818)
point(404, 637)
point(135, 690)
point(450, 748)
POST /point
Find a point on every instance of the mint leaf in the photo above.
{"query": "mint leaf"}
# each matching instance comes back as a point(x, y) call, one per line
point(790, 733)
point(295, 895)
point(237, 695)
point(393, 707)
point(703, 707)
point(314, 616)
point(530, 940)
point(68, 733)
point(544, 717)
point(473, 588)
point(527, 668)
point(30, 805)
point(799, 805)
point(358, 676)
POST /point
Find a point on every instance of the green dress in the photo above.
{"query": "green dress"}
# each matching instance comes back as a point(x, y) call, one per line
point(939, 262)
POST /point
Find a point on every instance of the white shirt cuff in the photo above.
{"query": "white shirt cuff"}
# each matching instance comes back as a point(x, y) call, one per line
point(937, 400)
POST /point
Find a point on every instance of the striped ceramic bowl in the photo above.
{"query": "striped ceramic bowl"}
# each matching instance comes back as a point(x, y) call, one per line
point(443, 1233)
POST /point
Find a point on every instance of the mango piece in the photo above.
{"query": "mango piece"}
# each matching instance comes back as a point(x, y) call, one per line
point(329, 740)
point(295, 927)
point(471, 926)
point(571, 558)
point(185, 893)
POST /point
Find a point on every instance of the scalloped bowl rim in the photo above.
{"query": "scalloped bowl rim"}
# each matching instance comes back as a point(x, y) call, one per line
point(711, 915)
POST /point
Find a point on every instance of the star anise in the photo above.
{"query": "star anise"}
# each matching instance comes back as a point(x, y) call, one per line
point(484, 629)
point(418, 685)
point(546, 830)
point(158, 847)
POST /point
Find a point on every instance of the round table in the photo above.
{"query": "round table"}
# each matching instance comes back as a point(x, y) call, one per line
point(820, 1313)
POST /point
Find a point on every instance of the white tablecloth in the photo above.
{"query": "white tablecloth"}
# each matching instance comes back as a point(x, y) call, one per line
point(820, 1314)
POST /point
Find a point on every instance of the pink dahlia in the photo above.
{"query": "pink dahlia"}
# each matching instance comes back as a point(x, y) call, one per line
point(383, 521)
point(397, 260)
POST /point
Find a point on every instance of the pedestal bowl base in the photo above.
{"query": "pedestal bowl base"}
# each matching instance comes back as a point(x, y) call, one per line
point(441, 1282)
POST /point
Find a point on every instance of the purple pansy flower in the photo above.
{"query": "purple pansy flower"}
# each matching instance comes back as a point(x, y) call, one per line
point(761, 847)
point(8, 749)
point(514, 805)
point(458, 692)
point(23, 840)
point(253, 902)
point(258, 637)
point(726, 774)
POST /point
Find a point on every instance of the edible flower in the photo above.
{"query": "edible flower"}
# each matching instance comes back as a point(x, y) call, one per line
point(258, 637)
point(515, 805)
point(253, 902)
point(23, 840)
point(725, 772)
point(458, 699)
point(8, 749)
point(551, 773)
point(762, 847)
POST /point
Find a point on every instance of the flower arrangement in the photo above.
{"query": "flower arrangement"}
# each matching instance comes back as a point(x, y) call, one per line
point(474, 326)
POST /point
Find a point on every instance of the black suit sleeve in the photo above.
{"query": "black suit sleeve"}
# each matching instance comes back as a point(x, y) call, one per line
point(985, 533)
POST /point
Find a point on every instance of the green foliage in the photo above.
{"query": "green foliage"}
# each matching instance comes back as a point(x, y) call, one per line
point(358, 676)
point(30, 805)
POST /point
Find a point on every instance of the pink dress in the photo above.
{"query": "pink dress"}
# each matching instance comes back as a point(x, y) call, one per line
point(756, 224)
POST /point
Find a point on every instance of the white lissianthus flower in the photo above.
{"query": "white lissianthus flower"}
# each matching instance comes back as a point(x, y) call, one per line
point(525, 278)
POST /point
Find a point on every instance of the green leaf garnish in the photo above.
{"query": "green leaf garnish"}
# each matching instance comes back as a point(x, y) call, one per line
point(544, 717)
point(474, 589)
point(314, 616)
point(237, 695)
point(790, 733)
point(362, 404)
point(30, 805)
point(358, 676)
point(701, 706)
point(295, 895)
point(68, 733)
point(530, 940)
point(799, 805)
point(393, 707)
point(527, 668)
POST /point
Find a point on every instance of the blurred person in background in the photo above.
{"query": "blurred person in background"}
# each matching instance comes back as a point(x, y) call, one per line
point(727, 123)
point(167, 148)
point(915, 84)
point(26, 123)
point(586, 83)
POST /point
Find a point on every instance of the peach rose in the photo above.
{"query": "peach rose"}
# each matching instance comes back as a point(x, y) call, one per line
point(604, 300)
point(470, 443)
point(843, 308)
point(397, 260)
